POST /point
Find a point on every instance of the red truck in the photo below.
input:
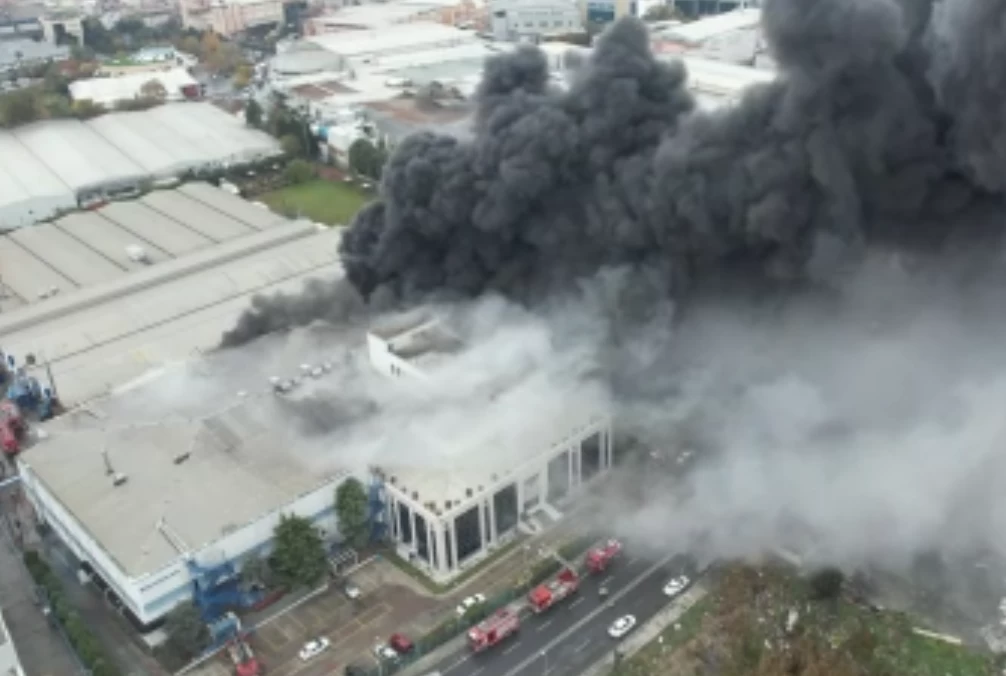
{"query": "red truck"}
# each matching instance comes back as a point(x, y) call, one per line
point(599, 557)
point(11, 427)
point(494, 629)
point(544, 596)
point(245, 662)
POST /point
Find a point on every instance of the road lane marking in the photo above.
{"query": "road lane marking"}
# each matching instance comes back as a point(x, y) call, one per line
point(632, 561)
point(591, 616)
point(544, 625)
point(576, 603)
point(458, 663)
point(478, 671)
point(582, 646)
point(606, 581)
point(511, 648)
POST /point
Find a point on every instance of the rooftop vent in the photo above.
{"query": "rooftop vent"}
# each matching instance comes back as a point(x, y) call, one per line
point(182, 457)
point(393, 480)
point(137, 254)
point(415, 495)
point(119, 479)
point(468, 492)
point(447, 504)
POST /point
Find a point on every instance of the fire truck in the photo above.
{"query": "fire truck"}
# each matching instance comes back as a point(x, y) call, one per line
point(544, 596)
point(599, 557)
point(245, 662)
point(494, 629)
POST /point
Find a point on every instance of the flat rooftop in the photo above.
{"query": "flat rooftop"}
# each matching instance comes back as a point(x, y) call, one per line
point(235, 473)
point(98, 334)
point(87, 248)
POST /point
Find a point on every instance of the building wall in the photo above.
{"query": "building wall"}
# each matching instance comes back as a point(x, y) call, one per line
point(10, 663)
point(510, 21)
point(232, 17)
point(151, 596)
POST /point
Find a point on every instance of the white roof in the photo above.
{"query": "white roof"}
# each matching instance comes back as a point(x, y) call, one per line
point(110, 90)
point(77, 155)
point(695, 32)
point(23, 177)
point(393, 39)
point(717, 78)
point(157, 150)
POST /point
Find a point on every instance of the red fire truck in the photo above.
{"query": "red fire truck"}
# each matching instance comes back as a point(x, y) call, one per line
point(494, 629)
point(544, 596)
point(599, 557)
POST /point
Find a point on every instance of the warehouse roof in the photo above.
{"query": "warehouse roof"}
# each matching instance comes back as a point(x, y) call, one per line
point(99, 337)
point(57, 160)
point(155, 227)
point(695, 32)
point(108, 91)
point(236, 472)
point(77, 155)
point(212, 224)
point(394, 39)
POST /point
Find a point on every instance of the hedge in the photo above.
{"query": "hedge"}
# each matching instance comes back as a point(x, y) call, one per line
point(77, 632)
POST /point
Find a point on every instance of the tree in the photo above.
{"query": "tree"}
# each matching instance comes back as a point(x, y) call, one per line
point(298, 557)
point(189, 45)
point(253, 113)
point(366, 159)
point(299, 171)
point(256, 574)
point(242, 76)
point(187, 633)
point(660, 13)
point(826, 583)
point(291, 145)
point(154, 90)
point(351, 509)
point(19, 108)
point(85, 109)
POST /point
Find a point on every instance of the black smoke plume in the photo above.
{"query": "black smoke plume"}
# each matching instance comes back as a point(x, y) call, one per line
point(862, 137)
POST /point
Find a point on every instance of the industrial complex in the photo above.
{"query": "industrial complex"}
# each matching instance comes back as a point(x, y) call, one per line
point(51, 167)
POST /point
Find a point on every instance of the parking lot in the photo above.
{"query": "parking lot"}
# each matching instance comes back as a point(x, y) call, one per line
point(389, 602)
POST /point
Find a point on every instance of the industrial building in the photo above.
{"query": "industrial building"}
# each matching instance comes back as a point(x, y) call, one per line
point(49, 167)
point(531, 20)
point(229, 17)
point(732, 37)
point(505, 476)
point(177, 83)
point(104, 296)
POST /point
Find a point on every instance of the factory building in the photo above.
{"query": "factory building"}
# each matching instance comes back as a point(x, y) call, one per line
point(53, 166)
point(509, 477)
point(530, 20)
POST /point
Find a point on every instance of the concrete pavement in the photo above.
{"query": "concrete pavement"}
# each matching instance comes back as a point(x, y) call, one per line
point(570, 637)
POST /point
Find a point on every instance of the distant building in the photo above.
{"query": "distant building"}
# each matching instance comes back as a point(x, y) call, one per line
point(533, 19)
point(733, 37)
point(108, 91)
point(601, 12)
point(229, 17)
point(64, 27)
point(18, 53)
point(377, 15)
point(696, 8)
point(20, 21)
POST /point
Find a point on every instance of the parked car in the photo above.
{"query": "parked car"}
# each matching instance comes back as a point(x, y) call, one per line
point(384, 653)
point(677, 585)
point(622, 626)
point(355, 670)
point(400, 643)
point(313, 648)
point(351, 590)
point(469, 603)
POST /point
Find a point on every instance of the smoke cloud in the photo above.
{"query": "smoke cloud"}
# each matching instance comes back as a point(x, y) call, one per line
point(803, 287)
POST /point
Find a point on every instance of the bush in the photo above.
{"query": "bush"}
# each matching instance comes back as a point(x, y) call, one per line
point(826, 584)
point(77, 632)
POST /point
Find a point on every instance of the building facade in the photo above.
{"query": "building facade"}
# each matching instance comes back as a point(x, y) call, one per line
point(447, 530)
point(531, 19)
point(229, 17)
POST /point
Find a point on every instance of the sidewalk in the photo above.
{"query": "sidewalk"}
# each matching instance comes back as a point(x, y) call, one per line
point(649, 631)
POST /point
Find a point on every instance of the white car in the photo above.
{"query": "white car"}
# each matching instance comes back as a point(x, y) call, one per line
point(469, 603)
point(676, 585)
point(313, 648)
point(384, 652)
point(622, 626)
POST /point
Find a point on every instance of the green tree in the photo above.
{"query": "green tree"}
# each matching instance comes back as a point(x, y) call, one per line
point(366, 159)
point(291, 145)
point(298, 557)
point(256, 574)
point(826, 583)
point(154, 90)
point(660, 13)
point(85, 109)
point(253, 113)
point(351, 509)
point(19, 108)
point(187, 633)
point(299, 171)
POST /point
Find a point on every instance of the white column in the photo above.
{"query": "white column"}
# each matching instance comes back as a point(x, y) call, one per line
point(393, 525)
point(441, 548)
point(454, 543)
point(430, 546)
point(543, 485)
point(569, 465)
point(491, 504)
point(415, 530)
point(483, 536)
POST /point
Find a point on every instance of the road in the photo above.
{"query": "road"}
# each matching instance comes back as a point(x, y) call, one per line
point(545, 644)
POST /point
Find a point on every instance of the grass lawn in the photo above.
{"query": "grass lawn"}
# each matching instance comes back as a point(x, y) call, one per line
point(319, 200)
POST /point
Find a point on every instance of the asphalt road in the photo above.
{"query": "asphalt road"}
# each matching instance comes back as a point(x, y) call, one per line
point(541, 647)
